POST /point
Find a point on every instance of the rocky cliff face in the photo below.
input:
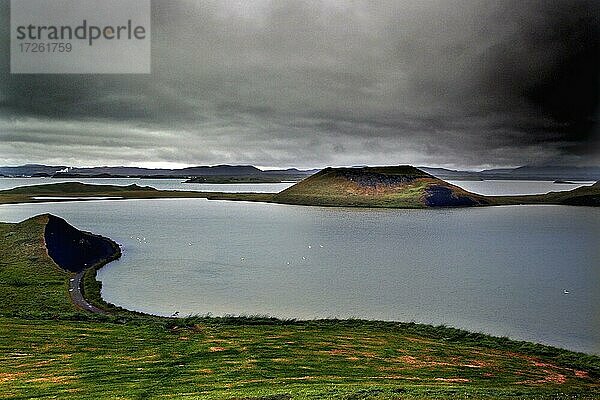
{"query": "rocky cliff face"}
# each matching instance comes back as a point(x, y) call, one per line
point(75, 250)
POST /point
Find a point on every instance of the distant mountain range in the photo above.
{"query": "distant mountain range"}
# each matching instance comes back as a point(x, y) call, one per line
point(534, 173)
point(548, 173)
point(29, 170)
point(34, 170)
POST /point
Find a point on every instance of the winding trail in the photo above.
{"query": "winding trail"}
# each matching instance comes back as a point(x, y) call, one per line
point(77, 297)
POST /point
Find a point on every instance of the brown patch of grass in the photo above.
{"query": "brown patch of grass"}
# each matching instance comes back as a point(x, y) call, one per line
point(53, 379)
point(35, 364)
point(478, 364)
point(396, 377)
point(377, 341)
point(453, 380)
point(406, 359)
point(420, 340)
point(551, 377)
point(207, 371)
point(429, 362)
point(367, 354)
point(581, 374)
point(552, 372)
point(9, 377)
point(139, 358)
point(546, 365)
point(339, 352)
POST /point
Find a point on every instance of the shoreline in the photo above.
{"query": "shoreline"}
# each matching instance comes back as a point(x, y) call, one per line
point(585, 196)
point(90, 286)
point(351, 356)
point(86, 295)
point(78, 251)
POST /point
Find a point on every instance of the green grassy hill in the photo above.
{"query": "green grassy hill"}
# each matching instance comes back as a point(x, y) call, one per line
point(30, 282)
point(399, 187)
point(49, 349)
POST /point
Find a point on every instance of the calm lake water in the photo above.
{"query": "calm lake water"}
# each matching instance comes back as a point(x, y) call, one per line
point(498, 270)
point(500, 187)
point(516, 187)
point(162, 184)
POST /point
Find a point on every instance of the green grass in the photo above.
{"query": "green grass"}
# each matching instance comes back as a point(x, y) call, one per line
point(29, 280)
point(49, 349)
point(231, 359)
point(339, 192)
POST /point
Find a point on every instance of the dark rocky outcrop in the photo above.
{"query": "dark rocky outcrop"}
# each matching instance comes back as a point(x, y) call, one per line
point(442, 196)
point(365, 178)
point(75, 250)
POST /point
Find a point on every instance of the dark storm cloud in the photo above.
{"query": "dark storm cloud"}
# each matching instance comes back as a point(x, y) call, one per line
point(310, 83)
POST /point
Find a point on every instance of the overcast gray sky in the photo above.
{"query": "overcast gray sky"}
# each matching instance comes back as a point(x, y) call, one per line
point(297, 83)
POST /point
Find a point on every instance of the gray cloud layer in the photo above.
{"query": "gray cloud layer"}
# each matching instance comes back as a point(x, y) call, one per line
point(314, 83)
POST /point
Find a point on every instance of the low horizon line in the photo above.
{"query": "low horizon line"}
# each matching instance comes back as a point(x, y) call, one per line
point(272, 168)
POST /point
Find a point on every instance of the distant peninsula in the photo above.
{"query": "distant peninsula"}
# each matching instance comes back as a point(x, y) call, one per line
point(264, 178)
point(251, 174)
point(198, 174)
point(376, 187)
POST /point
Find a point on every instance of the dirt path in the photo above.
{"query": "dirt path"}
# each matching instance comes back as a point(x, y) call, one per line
point(77, 296)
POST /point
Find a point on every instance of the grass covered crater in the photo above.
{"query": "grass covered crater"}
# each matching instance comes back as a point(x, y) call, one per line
point(397, 187)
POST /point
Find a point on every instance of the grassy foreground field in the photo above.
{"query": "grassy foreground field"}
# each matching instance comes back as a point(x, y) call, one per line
point(48, 348)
